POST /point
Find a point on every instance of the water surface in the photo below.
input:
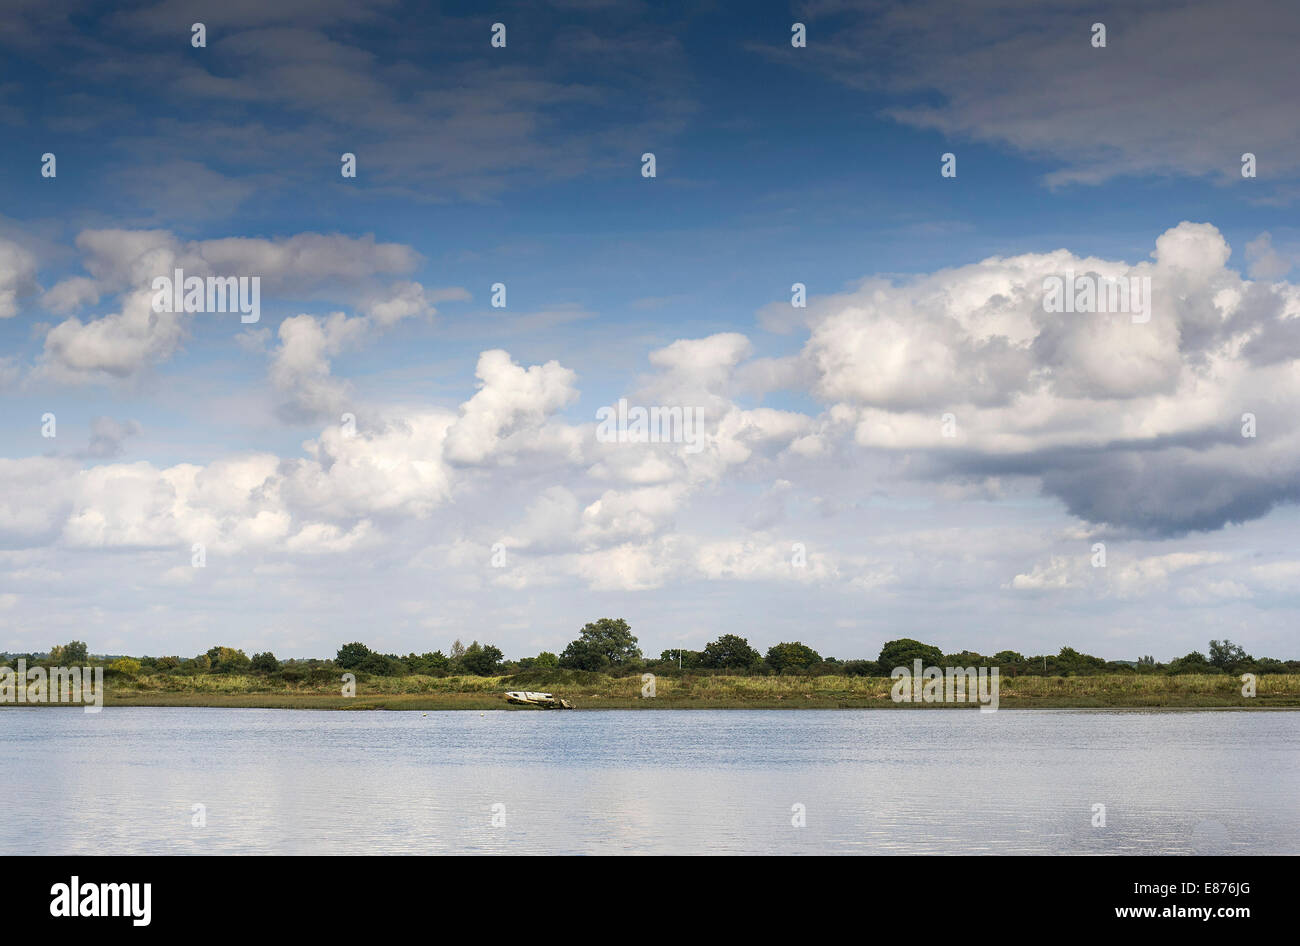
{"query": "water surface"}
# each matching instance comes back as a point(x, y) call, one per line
point(650, 782)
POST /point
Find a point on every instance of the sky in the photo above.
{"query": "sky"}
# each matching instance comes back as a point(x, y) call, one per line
point(922, 450)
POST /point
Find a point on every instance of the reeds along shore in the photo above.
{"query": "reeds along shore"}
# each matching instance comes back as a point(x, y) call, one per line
point(599, 691)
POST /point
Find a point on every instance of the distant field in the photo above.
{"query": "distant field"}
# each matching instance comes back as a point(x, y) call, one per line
point(596, 691)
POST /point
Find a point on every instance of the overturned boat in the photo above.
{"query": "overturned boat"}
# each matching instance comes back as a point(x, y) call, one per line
point(537, 700)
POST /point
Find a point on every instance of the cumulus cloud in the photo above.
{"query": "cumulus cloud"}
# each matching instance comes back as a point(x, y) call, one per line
point(1265, 261)
point(300, 366)
point(396, 468)
point(1131, 429)
point(510, 409)
point(1134, 424)
point(124, 263)
point(405, 300)
point(70, 295)
point(117, 345)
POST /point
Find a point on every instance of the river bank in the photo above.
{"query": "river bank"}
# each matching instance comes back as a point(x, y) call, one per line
point(597, 691)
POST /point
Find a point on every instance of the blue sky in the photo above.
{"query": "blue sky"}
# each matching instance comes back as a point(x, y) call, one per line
point(521, 165)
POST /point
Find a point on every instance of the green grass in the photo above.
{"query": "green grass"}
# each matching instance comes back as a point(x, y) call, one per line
point(597, 691)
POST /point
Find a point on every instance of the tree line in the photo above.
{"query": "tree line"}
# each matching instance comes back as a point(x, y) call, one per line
point(609, 646)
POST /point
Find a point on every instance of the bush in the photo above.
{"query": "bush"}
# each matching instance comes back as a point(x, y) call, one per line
point(545, 678)
point(967, 658)
point(228, 660)
point(685, 659)
point(430, 664)
point(1194, 662)
point(1069, 663)
point(382, 665)
point(124, 667)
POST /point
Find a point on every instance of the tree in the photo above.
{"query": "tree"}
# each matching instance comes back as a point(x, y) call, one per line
point(1070, 662)
point(686, 659)
point(1194, 662)
point(482, 660)
point(428, 663)
point(730, 652)
point(382, 665)
point(266, 663)
point(351, 656)
point(904, 652)
point(600, 644)
point(583, 655)
point(967, 658)
point(228, 659)
point(792, 656)
point(1227, 656)
point(70, 654)
point(547, 660)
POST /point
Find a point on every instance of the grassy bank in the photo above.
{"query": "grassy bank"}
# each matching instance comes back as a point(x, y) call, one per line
point(597, 691)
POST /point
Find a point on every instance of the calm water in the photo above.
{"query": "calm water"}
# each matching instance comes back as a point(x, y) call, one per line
point(949, 782)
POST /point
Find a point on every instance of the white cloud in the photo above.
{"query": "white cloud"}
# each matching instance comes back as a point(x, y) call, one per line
point(125, 263)
point(300, 366)
point(510, 409)
point(1127, 422)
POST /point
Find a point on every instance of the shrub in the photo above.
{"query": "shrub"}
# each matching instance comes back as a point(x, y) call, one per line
point(383, 665)
point(228, 660)
point(1194, 662)
point(124, 667)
